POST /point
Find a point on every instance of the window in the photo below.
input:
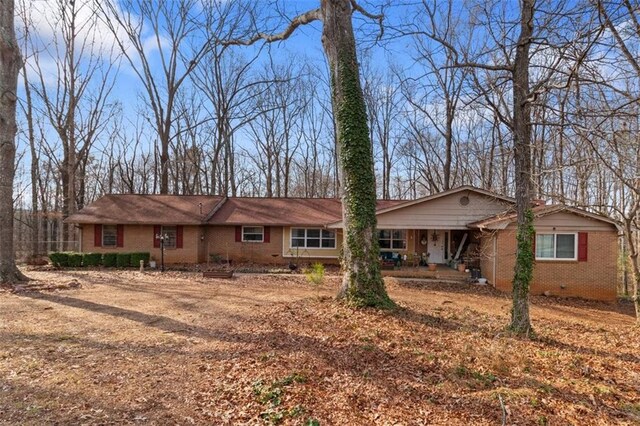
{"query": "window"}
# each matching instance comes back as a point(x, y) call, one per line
point(313, 238)
point(556, 246)
point(253, 234)
point(391, 239)
point(109, 235)
point(170, 232)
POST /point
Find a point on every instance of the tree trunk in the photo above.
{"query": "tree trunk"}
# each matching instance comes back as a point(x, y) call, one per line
point(9, 68)
point(523, 273)
point(362, 284)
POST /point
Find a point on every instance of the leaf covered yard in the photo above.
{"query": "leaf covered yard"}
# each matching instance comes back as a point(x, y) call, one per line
point(128, 347)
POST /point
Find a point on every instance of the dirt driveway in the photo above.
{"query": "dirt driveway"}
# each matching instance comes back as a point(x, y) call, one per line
point(175, 348)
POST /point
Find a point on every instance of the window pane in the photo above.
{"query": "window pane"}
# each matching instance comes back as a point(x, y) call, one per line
point(384, 234)
point(313, 242)
point(565, 246)
point(544, 245)
point(297, 242)
point(385, 244)
point(252, 237)
point(170, 233)
point(252, 233)
point(399, 244)
point(399, 234)
point(328, 243)
point(328, 234)
point(109, 235)
point(313, 233)
point(297, 232)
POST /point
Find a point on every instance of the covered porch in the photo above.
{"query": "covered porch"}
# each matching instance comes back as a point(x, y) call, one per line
point(442, 249)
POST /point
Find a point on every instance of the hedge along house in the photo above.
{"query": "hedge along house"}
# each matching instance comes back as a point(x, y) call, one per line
point(465, 223)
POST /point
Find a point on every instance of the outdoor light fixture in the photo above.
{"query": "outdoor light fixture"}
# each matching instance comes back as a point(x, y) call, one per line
point(162, 238)
point(434, 236)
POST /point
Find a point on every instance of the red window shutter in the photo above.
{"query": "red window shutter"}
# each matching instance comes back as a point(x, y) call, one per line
point(97, 235)
point(582, 246)
point(267, 234)
point(238, 234)
point(120, 236)
point(179, 236)
point(157, 229)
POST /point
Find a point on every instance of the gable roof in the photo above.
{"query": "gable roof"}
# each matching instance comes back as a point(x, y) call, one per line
point(147, 209)
point(458, 222)
point(463, 188)
point(502, 220)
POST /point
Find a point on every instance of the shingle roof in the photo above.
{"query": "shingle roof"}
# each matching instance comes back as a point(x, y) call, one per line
point(282, 211)
point(147, 209)
point(185, 210)
point(501, 220)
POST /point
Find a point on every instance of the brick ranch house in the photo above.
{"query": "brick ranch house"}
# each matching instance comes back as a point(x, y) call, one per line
point(576, 251)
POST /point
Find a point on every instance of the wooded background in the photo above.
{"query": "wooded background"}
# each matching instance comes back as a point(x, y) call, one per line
point(144, 96)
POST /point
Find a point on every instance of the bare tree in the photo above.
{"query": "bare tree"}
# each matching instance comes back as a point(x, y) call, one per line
point(10, 64)
point(362, 284)
point(74, 98)
point(177, 40)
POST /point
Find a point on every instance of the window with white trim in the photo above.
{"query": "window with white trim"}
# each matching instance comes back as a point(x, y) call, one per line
point(556, 246)
point(170, 233)
point(109, 235)
point(313, 238)
point(392, 239)
point(253, 234)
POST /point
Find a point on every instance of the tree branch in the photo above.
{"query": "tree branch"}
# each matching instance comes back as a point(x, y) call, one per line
point(364, 12)
point(303, 19)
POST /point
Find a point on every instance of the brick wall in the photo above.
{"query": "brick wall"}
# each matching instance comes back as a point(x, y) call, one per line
point(221, 240)
point(487, 257)
point(139, 238)
point(594, 279)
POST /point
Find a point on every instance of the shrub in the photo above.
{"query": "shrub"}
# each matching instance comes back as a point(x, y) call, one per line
point(109, 259)
point(123, 260)
point(75, 260)
point(59, 259)
point(137, 257)
point(91, 259)
point(315, 273)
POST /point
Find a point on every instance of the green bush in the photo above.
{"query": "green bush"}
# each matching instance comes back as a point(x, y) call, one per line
point(123, 260)
point(59, 259)
point(315, 273)
point(109, 259)
point(91, 259)
point(75, 260)
point(137, 257)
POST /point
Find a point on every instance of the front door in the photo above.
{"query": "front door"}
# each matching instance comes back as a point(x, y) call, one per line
point(436, 246)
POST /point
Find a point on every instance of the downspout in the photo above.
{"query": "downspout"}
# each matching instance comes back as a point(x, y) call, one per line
point(495, 255)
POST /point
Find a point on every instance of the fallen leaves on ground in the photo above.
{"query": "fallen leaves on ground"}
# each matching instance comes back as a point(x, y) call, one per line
point(151, 348)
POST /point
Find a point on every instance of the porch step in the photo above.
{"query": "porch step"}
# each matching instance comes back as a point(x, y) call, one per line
point(217, 274)
point(443, 273)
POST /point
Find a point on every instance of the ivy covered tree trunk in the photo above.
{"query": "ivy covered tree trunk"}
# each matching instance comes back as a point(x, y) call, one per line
point(362, 284)
point(9, 68)
point(523, 273)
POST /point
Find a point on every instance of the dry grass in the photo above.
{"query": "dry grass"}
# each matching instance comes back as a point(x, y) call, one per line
point(130, 347)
